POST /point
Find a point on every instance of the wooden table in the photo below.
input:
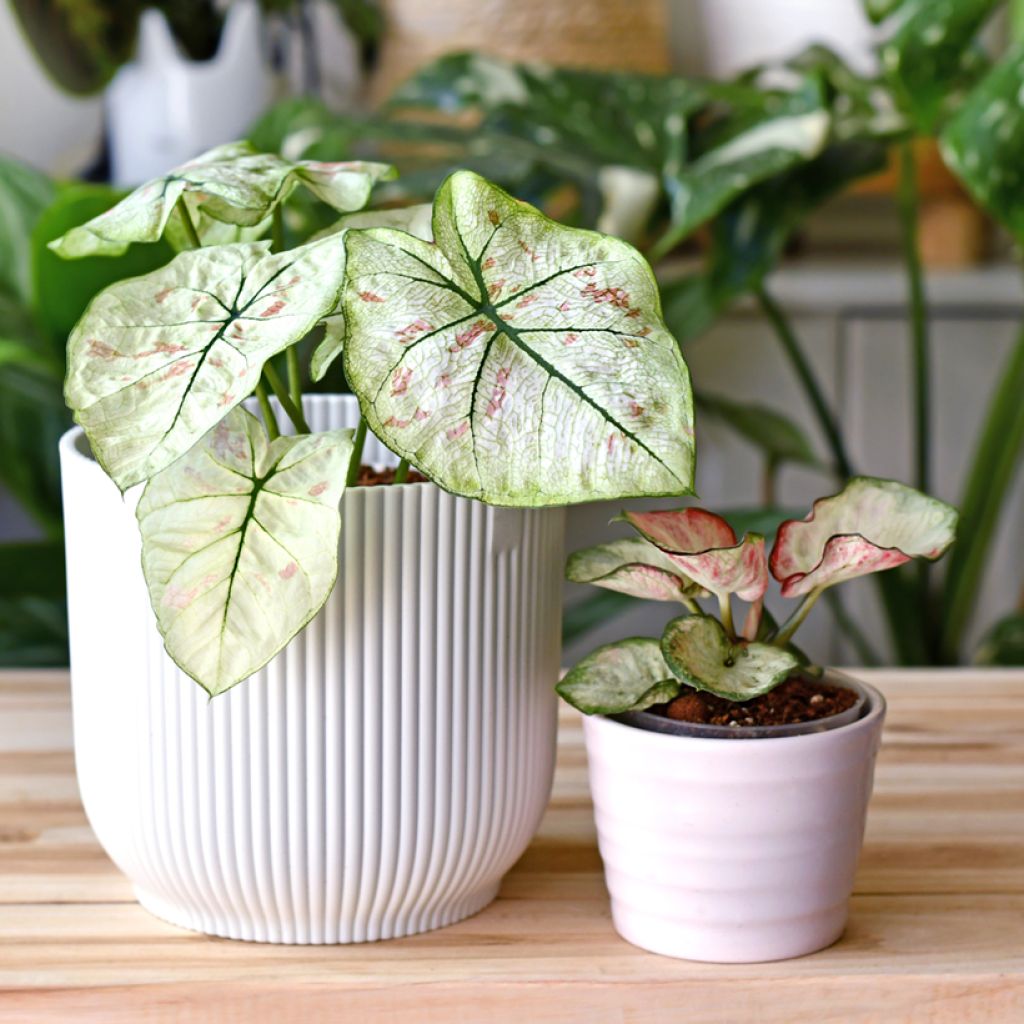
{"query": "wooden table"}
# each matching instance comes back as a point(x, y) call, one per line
point(936, 933)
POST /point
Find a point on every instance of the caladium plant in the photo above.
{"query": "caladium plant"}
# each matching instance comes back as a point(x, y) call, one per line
point(506, 357)
point(685, 554)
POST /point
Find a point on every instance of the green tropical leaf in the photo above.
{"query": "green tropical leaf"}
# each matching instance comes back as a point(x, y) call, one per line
point(1003, 644)
point(628, 675)
point(776, 435)
point(631, 566)
point(596, 609)
point(240, 542)
point(33, 632)
point(516, 360)
point(24, 194)
point(157, 360)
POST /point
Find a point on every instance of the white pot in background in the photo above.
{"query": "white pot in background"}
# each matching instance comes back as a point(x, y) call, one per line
point(380, 775)
point(731, 850)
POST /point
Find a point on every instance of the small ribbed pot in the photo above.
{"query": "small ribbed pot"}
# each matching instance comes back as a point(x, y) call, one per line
point(380, 775)
point(732, 851)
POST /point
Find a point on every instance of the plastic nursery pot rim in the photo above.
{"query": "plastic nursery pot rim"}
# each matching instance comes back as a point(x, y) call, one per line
point(869, 700)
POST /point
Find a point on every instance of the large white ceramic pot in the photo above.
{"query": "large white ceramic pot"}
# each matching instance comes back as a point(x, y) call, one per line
point(732, 850)
point(380, 775)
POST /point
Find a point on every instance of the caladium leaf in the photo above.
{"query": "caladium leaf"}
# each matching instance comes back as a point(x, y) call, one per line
point(631, 566)
point(239, 545)
point(871, 525)
point(699, 652)
point(232, 183)
point(628, 675)
point(515, 360)
point(157, 360)
point(704, 546)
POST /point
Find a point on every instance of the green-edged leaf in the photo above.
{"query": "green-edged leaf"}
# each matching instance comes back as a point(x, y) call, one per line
point(516, 360)
point(24, 194)
point(157, 360)
point(233, 184)
point(631, 566)
point(698, 651)
point(628, 675)
point(776, 435)
point(240, 543)
point(982, 144)
point(869, 526)
point(1003, 644)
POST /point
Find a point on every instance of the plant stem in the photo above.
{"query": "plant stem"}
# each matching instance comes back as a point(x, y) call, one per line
point(725, 610)
point(358, 443)
point(691, 605)
point(190, 228)
point(291, 355)
point(402, 473)
point(277, 230)
point(792, 624)
point(291, 410)
point(791, 346)
point(269, 420)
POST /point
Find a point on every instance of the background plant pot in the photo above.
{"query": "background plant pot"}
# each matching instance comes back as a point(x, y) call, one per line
point(380, 775)
point(731, 851)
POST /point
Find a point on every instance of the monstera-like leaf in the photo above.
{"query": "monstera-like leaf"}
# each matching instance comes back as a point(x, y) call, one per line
point(515, 360)
point(628, 675)
point(871, 525)
point(699, 652)
point(631, 566)
point(157, 360)
point(704, 546)
point(240, 545)
point(232, 184)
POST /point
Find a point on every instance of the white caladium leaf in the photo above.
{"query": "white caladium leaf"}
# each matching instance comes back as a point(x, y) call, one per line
point(515, 360)
point(699, 652)
point(631, 566)
point(157, 360)
point(233, 184)
point(871, 525)
point(239, 545)
point(628, 675)
point(704, 546)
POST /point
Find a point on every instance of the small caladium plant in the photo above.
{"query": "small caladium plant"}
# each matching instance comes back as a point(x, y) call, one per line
point(507, 357)
point(685, 554)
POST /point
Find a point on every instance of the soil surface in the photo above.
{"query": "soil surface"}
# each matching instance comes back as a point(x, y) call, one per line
point(370, 477)
point(795, 700)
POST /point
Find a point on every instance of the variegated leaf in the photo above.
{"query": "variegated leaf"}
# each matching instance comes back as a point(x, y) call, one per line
point(157, 360)
point(699, 652)
point(871, 525)
point(631, 566)
point(628, 675)
point(232, 183)
point(515, 360)
point(239, 545)
point(704, 546)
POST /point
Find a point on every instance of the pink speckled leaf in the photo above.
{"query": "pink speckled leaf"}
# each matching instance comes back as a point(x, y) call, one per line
point(704, 546)
point(231, 184)
point(516, 360)
point(157, 360)
point(240, 545)
point(871, 525)
point(631, 566)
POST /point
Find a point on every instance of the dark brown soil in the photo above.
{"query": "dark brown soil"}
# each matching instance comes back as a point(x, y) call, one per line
point(370, 477)
point(795, 700)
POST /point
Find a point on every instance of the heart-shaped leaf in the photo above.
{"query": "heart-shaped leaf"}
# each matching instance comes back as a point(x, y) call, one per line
point(871, 525)
point(633, 567)
point(240, 543)
point(515, 360)
point(157, 360)
point(628, 675)
point(699, 652)
point(704, 546)
point(232, 183)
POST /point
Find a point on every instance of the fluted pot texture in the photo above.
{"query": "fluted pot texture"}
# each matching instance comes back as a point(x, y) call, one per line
point(380, 775)
point(731, 850)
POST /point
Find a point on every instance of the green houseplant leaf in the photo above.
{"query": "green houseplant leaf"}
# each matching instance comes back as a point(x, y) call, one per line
point(631, 566)
point(515, 360)
point(157, 360)
point(240, 545)
point(776, 435)
point(232, 184)
point(699, 652)
point(628, 675)
point(24, 194)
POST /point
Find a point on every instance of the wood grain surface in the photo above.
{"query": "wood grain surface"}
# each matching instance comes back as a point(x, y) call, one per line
point(936, 932)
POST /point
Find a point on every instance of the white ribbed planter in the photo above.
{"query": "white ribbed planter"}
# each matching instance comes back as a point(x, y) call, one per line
point(731, 850)
point(380, 775)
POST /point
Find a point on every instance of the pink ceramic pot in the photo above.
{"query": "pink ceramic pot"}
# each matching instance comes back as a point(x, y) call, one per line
point(732, 850)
